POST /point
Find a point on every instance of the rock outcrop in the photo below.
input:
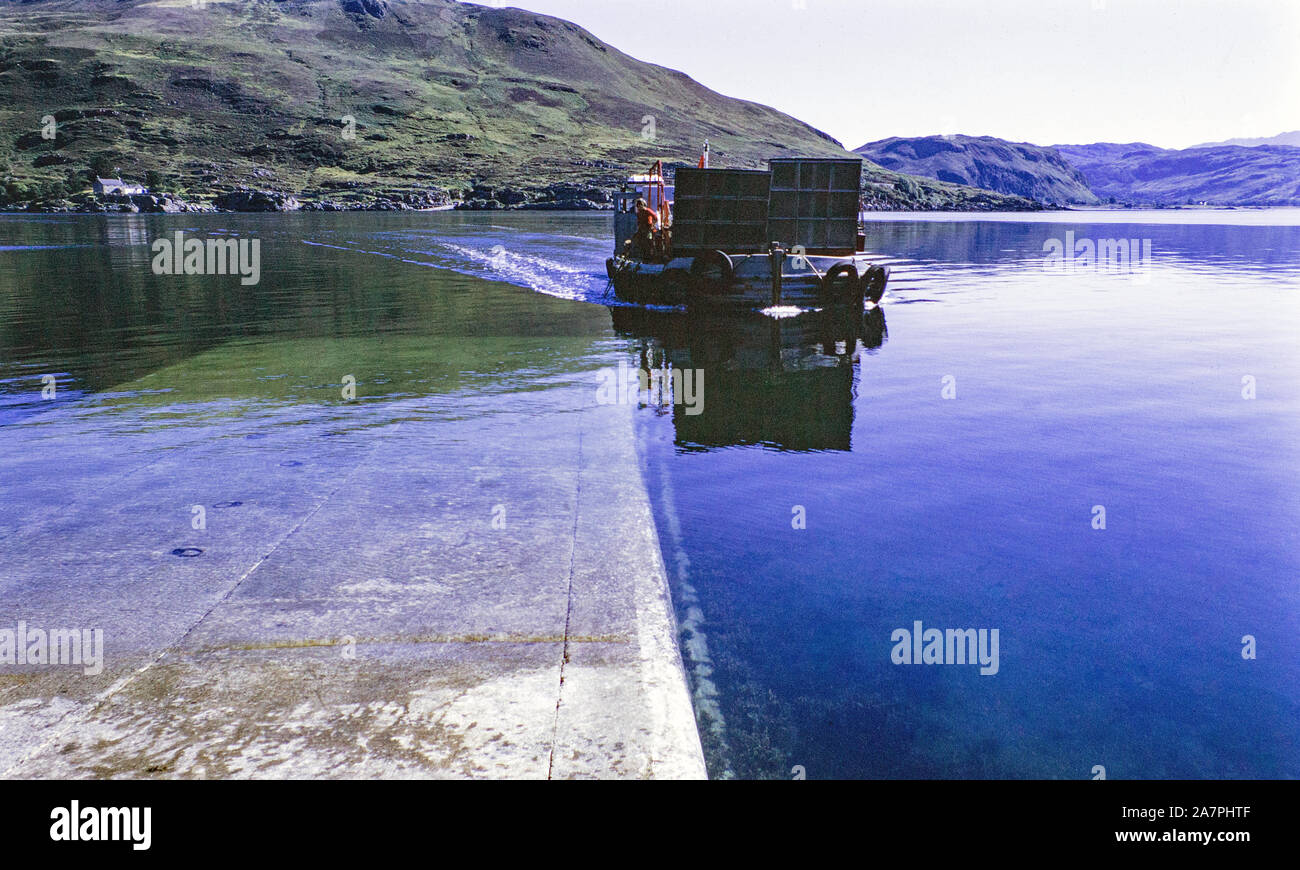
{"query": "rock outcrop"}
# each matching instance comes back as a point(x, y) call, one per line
point(256, 200)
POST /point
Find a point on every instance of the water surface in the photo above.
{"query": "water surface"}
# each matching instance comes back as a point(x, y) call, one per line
point(1070, 390)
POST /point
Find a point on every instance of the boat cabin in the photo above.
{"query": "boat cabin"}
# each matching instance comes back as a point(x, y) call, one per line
point(658, 194)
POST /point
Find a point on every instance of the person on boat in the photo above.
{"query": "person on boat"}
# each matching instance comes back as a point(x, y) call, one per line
point(647, 222)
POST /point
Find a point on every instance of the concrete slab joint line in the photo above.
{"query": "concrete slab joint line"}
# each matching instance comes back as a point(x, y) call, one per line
point(623, 712)
point(568, 611)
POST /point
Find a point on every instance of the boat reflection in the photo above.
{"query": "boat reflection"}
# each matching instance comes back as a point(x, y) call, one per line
point(784, 384)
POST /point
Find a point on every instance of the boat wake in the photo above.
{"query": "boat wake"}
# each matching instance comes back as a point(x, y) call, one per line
point(578, 281)
point(566, 267)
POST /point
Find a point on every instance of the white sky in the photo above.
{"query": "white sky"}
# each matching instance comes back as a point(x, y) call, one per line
point(1172, 73)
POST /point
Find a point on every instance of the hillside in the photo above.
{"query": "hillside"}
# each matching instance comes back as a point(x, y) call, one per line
point(1018, 169)
point(1140, 174)
point(441, 92)
point(350, 101)
point(886, 190)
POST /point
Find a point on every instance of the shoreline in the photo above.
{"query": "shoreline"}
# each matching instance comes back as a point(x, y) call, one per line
point(460, 207)
point(565, 196)
point(289, 204)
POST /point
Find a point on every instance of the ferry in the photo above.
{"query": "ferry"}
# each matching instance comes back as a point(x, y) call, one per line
point(781, 240)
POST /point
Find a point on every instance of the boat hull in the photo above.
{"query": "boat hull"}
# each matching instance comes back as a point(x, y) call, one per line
point(745, 283)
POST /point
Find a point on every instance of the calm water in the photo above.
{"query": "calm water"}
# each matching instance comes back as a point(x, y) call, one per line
point(943, 457)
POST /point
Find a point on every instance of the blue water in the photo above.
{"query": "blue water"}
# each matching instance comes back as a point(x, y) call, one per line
point(1119, 647)
point(1093, 386)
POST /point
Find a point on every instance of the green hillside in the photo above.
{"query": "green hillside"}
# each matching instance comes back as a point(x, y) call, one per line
point(356, 99)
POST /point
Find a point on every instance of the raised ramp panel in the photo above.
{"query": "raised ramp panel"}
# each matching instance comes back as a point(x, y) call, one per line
point(814, 203)
point(720, 209)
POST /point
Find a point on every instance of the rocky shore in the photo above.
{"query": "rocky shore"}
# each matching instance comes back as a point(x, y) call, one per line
point(881, 191)
point(559, 197)
point(565, 196)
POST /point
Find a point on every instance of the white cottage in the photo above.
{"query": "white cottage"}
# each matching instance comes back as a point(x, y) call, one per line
point(116, 186)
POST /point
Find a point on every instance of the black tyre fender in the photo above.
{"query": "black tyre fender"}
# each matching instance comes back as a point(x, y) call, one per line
point(874, 281)
point(713, 268)
point(840, 284)
point(610, 269)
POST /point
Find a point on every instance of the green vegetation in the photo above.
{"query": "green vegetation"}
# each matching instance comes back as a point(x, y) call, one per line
point(349, 100)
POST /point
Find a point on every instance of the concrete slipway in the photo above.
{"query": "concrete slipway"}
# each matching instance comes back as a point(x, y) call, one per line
point(356, 614)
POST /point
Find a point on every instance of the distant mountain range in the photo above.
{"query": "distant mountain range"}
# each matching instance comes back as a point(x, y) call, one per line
point(1261, 174)
point(1292, 138)
point(1016, 168)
